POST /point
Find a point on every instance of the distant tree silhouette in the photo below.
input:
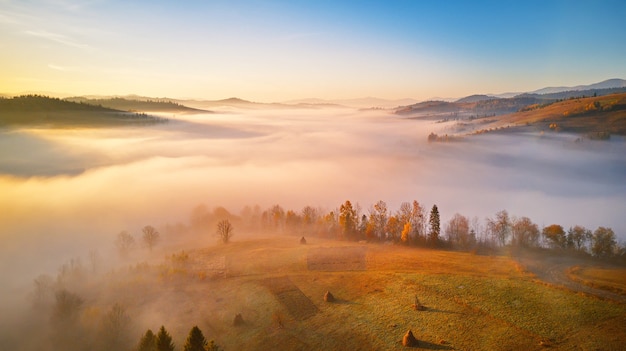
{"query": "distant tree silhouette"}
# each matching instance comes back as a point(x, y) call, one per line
point(604, 243)
point(67, 307)
point(115, 328)
point(435, 226)
point(225, 230)
point(164, 340)
point(378, 220)
point(67, 332)
point(555, 235)
point(394, 228)
point(500, 227)
point(579, 236)
point(124, 243)
point(147, 342)
point(457, 231)
point(150, 236)
point(524, 232)
point(195, 340)
point(348, 220)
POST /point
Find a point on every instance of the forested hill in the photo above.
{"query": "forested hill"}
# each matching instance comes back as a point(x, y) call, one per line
point(37, 110)
point(39, 103)
point(139, 104)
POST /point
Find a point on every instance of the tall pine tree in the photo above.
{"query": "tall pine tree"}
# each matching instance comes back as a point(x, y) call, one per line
point(164, 340)
point(195, 340)
point(435, 228)
point(147, 342)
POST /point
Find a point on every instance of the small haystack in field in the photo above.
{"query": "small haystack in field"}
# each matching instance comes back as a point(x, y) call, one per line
point(409, 340)
point(238, 320)
point(328, 297)
point(418, 305)
point(303, 241)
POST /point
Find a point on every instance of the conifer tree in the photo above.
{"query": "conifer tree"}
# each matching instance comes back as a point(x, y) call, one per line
point(164, 340)
point(147, 342)
point(435, 227)
point(195, 340)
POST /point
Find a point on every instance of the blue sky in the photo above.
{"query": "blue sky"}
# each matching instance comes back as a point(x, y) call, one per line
point(280, 50)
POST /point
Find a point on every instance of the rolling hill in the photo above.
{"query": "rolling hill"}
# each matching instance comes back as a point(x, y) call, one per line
point(36, 110)
point(600, 116)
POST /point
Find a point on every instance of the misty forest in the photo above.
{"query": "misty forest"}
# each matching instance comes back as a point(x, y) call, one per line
point(161, 224)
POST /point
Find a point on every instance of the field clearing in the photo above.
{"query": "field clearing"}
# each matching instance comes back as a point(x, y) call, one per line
point(612, 279)
point(472, 302)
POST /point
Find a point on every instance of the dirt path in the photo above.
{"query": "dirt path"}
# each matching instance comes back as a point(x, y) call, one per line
point(552, 270)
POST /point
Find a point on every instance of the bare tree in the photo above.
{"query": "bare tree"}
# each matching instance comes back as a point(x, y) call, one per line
point(116, 328)
point(150, 236)
point(500, 227)
point(524, 232)
point(458, 232)
point(124, 243)
point(225, 230)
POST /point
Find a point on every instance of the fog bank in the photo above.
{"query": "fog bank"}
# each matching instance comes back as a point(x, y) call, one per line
point(66, 191)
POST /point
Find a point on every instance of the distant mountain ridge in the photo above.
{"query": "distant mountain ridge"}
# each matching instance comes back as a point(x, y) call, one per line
point(606, 84)
point(489, 105)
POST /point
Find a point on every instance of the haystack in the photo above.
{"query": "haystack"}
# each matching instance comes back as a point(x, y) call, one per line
point(409, 340)
point(303, 241)
point(238, 320)
point(418, 305)
point(328, 297)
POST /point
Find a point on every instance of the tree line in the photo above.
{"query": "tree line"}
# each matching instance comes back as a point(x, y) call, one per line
point(413, 224)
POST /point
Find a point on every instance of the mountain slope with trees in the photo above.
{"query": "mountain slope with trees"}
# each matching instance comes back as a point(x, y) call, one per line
point(43, 111)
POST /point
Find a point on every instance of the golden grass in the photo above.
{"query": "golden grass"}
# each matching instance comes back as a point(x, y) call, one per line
point(592, 114)
point(612, 279)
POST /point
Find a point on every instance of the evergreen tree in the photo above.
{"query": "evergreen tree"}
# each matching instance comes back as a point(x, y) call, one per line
point(164, 340)
point(147, 342)
point(435, 227)
point(195, 340)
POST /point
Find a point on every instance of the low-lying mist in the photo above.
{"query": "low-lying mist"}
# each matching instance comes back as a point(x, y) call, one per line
point(66, 192)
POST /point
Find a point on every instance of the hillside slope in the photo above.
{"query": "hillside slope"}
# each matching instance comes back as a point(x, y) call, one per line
point(602, 114)
point(35, 110)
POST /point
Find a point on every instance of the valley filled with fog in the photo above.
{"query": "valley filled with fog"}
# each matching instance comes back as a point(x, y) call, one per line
point(68, 192)
point(74, 189)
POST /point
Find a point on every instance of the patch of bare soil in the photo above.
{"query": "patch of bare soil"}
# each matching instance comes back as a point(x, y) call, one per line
point(336, 259)
point(299, 305)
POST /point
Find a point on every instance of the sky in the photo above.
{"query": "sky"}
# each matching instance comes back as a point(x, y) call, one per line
point(281, 50)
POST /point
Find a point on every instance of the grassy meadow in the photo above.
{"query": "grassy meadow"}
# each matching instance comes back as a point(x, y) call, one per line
point(473, 302)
